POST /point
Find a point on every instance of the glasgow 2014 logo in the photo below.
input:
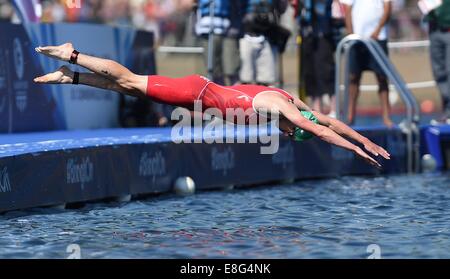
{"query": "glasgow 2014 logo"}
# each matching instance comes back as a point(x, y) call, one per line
point(80, 171)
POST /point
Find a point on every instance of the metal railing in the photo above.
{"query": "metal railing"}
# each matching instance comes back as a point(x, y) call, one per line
point(410, 127)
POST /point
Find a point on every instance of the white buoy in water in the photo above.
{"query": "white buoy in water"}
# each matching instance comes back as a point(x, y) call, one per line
point(228, 188)
point(124, 199)
point(184, 186)
point(429, 163)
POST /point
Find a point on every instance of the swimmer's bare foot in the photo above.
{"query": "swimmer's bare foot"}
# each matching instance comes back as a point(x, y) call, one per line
point(62, 52)
point(62, 76)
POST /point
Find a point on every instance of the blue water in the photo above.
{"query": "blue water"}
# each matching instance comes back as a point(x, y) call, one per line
point(406, 216)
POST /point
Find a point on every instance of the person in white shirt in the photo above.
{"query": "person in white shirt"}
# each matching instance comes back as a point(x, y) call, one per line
point(369, 19)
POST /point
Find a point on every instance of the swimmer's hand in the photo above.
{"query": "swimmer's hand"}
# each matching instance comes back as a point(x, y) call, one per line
point(358, 151)
point(376, 150)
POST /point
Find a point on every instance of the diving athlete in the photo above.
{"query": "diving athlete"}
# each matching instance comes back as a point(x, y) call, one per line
point(296, 119)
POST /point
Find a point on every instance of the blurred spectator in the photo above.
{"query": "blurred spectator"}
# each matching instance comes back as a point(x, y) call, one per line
point(405, 21)
point(6, 11)
point(53, 11)
point(439, 20)
point(226, 32)
point(264, 38)
point(58, 11)
point(177, 22)
point(338, 19)
point(145, 16)
point(116, 12)
point(369, 19)
point(169, 18)
point(318, 45)
point(159, 16)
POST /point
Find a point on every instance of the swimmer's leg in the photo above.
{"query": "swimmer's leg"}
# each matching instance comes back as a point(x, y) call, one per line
point(104, 67)
point(65, 76)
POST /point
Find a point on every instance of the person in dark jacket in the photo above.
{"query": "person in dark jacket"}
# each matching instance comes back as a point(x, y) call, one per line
point(440, 54)
point(318, 45)
point(226, 29)
point(259, 46)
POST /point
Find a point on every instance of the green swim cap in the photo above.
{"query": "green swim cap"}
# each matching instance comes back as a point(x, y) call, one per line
point(302, 135)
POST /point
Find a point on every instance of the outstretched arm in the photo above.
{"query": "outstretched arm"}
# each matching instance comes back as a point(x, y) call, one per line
point(324, 133)
point(342, 129)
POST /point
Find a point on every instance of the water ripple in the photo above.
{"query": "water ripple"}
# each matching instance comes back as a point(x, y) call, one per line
point(338, 218)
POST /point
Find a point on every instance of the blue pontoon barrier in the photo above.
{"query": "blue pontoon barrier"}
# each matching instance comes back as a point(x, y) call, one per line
point(437, 143)
point(53, 168)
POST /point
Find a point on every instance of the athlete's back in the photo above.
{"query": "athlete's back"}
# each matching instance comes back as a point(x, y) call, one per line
point(186, 91)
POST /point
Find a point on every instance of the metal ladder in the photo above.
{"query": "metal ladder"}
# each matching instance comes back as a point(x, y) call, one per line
point(410, 127)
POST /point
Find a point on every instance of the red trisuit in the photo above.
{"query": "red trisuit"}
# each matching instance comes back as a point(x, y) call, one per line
point(184, 92)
